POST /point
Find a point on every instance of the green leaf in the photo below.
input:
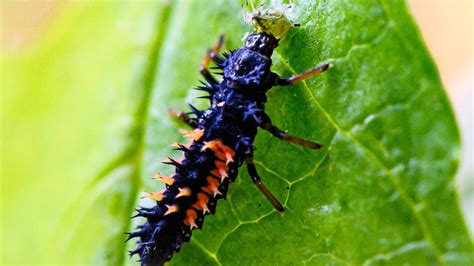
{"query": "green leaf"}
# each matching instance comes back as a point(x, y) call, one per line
point(88, 125)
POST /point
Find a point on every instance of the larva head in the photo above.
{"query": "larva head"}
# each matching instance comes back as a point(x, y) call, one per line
point(261, 43)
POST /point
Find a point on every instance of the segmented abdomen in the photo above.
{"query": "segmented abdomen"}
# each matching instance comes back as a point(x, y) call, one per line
point(200, 179)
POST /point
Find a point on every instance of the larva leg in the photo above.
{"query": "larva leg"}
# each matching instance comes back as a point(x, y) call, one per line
point(299, 77)
point(258, 182)
point(183, 117)
point(212, 54)
point(266, 123)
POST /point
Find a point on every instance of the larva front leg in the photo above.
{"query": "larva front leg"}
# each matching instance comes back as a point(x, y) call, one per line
point(299, 77)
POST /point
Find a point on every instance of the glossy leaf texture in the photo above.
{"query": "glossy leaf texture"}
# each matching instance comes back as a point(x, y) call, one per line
point(89, 128)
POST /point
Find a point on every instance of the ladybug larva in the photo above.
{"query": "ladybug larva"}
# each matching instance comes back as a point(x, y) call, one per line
point(222, 139)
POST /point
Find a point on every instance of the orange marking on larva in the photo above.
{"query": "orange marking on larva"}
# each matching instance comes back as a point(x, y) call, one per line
point(228, 158)
point(190, 219)
point(210, 145)
point(221, 166)
point(198, 133)
point(169, 180)
point(195, 134)
point(220, 173)
point(212, 187)
point(183, 192)
point(201, 203)
point(227, 149)
point(222, 151)
point(225, 157)
point(158, 196)
point(229, 153)
point(220, 155)
point(171, 209)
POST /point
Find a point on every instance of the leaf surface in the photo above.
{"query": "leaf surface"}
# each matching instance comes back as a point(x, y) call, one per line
point(380, 192)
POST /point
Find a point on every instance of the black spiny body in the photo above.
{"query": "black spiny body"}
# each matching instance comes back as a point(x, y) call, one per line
point(221, 142)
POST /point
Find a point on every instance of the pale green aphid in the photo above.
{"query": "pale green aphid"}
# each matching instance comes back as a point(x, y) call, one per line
point(272, 22)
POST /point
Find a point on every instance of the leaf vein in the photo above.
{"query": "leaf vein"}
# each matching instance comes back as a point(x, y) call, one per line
point(209, 253)
point(393, 179)
point(400, 250)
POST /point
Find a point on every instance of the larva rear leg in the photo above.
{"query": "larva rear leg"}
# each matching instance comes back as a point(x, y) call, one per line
point(258, 182)
point(212, 54)
point(266, 123)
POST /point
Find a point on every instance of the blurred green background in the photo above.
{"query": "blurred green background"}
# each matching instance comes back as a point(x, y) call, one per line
point(74, 78)
point(70, 95)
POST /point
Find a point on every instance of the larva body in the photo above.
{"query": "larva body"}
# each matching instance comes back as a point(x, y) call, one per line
point(222, 138)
